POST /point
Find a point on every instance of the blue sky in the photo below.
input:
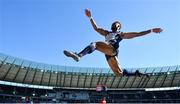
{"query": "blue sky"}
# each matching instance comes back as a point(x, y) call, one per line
point(39, 30)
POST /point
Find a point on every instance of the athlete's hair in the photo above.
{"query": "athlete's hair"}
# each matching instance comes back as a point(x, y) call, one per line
point(113, 26)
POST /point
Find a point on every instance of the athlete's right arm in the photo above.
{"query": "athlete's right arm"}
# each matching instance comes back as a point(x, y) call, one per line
point(99, 30)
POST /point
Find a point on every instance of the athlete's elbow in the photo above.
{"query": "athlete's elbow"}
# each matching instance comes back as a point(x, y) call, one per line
point(96, 29)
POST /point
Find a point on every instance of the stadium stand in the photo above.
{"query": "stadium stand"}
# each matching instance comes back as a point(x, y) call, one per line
point(23, 81)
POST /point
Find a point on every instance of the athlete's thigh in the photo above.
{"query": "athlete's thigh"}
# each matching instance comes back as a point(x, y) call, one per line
point(105, 48)
point(114, 65)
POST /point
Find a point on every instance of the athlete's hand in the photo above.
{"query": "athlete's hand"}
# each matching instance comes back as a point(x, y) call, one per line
point(88, 13)
point(157, 30)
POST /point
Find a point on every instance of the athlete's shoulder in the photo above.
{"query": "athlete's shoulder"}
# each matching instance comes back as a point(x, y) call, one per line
point(121, 34)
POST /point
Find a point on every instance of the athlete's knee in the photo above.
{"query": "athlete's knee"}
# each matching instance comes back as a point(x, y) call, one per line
point(118, 74)
point(92, 47)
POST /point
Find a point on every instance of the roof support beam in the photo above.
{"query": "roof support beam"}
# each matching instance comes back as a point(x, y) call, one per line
point(156, 79)
point(140, 79)
point(71, 79)
point(3, 62)
point(133, 81)
point(64, 79)
point(57, 78)
point(102, 78)
point(114, 77)
point(42, 76)
point(120, 78)
point(60, 77)
point(165, 77)
point(98, 82)
point(18, 71)
point(179, 82)
point(27, 70)
point(85, 79)
point(145, 84)
point(78, 80)
point(126, 81)
point(174, 74)
point(92, 76)
point(34, 74)
point(50, 76)
point(107, 77)
point(8, 70)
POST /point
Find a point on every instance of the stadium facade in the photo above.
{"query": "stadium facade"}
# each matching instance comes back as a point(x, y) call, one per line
point(26, 81)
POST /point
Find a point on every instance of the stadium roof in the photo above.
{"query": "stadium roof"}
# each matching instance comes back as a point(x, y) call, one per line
point(27, 72)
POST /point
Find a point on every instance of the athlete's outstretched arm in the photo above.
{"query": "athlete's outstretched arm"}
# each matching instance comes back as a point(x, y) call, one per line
point(99, 30)
point(130, 35)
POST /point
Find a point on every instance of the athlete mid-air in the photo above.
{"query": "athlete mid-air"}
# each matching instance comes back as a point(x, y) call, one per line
point(111, 45)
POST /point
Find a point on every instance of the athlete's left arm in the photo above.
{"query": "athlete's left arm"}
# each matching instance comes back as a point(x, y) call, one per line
point(130, 35)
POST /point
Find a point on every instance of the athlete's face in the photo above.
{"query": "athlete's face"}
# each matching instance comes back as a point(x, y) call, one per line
point(116, 26)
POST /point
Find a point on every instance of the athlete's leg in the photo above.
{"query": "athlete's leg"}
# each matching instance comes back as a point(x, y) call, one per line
point(111, 57)
point(100, 46)
point(105, 48)
point(114, 65)
point(76, 56)
point(87, 50)
point(118, 71)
